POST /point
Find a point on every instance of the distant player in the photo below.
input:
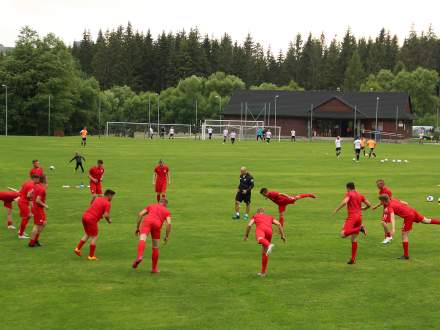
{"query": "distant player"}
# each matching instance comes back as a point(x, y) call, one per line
point(100, 208)
point(233, 137)
point(36, 169)
point(8, 197)
point(171, 133)
point(282, 200)
point(95, 175)
point(371, 143)
point(150, 221)
point(84, 134)
point(162, 132)
point(259, 134)
point(151, 133)
point(394, 207)
point(363, 142)
point(353, 224)
point(161, 178)
point(263, 233)
point(293, 135)
point(268, 136)
point(244, 192)
point(384, 190)
point(225, 135)
point(210, 133)
point(338, 145)
point(78, 160)
point(26, 194)
point(357, 148)
point(38, 211)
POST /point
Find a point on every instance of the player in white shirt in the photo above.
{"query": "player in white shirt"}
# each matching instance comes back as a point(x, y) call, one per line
point(210, 132)
point(233, 136)
point(151, 132)
point(171, 133)
point(268, 136)
point(292, 135)
point(338, 143)
point(225, 135)
point(357, 148)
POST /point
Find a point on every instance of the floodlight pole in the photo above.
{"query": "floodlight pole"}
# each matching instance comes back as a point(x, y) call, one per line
point(158, 114)
point(149, 113)
point(397, 120)
point(275, 110)
point(311, 122)
point(377, 110)
point(355, 123)
point(48, 120)
point(195, 126)
point(6, 107)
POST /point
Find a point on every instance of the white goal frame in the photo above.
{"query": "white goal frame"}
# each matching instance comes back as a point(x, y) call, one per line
point(156, 128)
point(241, 126)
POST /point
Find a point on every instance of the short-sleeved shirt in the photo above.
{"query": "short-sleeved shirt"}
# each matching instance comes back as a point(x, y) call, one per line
point(357, 144)
point(268, 134)
point(354, 204)
point(398, 208)
point(172, 131)
point(25, 189)
point(157, 214)
point(233, 135)
point(263, 220)
point(84, 133)
point(97, 173)
point(292, 132)
point(96, 211)
point(36, 171)
point(161, 172)
point(39, 191)
point(338, 143)
point(209, 130)
point(274, 196)
point(225, 132)
point(386, 191)
point(371, 144)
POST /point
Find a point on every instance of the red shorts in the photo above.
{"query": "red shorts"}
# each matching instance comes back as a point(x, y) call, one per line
point(408, 222)
point(90, 226)
point(25, 211)
point(39, 216)
point(8, 204)
point(283, 202)
point(353, 221)
point(148, 227)
point(96, 188)
point(161, 186)
point(263, 233)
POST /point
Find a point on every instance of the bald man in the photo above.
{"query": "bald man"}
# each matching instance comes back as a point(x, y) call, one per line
point(243, 193)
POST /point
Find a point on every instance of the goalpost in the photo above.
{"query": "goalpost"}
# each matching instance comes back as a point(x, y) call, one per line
point(132, 129)
point(246, 130)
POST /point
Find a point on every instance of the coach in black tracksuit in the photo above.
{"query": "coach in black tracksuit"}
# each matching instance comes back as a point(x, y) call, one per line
point(244, 193)
point(78, 160)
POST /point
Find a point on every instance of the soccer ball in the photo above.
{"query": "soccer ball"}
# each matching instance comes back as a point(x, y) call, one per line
point(430, 198)
point(51, 167)
point(399, 160)
point(394, 160)
point(386, 159)
point(405, 161)
point(382, 161)
point(354, 159)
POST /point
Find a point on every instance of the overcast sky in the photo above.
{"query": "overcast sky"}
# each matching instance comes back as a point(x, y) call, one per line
point(272, 23)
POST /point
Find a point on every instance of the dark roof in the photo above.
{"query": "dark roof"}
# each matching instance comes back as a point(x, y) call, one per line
point(299, 103)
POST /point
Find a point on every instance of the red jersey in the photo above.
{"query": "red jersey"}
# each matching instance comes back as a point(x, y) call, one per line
point(398, 208)
point(8, 196)
point(274, 196)
point(355, 200)
point(36, 170)
point(157, 213)
point(39, 190)
point(263, 220)
point(99, 206)
point(25, 189)
point(161, 172)
point(386, 191)
point(97, 173)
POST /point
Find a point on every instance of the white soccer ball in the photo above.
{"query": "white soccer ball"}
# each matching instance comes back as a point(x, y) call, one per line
point(430, 198)
point(394, 160)
point(405, 161)
point(51, 167)
point(386, 159)
point(354, 159)
point(382, 161)
point(399, 160)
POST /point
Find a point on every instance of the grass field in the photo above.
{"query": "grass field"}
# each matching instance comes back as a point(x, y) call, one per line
point(207, 278)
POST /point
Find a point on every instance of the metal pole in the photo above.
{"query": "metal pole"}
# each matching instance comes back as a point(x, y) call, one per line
point(220, 102)
point(245, 113)
point(48, 120)
point(275, 110)
point(377, 110)
point(158, 114)
point(268, 116)
point(397, 120)
point(99, 117)
point(6, 107)
point(437, 118)
point(149, 113)
point(355, 126)
point(196, 121)
point(311, 122)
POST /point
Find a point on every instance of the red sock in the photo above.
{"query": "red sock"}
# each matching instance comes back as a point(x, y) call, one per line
point(80, 244)
point(387, 234)
point(405, 249)
point(32, 242)
point(141, 248)
point(355, 230)
point(435, 222)
point(264, 261)
point(23, 225)
point(354, 247)
point(154, 258)
point(9, 222)
point(92, 250)
point(264, 242)
point(158, 197)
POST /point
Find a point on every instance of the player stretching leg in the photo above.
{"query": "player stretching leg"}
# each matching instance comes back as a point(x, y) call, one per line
point(95, 175)
point(384, 190)
point(244, 192)
point(26, 192)
point(150, 220)
point(38, 207)
point(282, 200)
point(353, 224)
point(394, 207)
point(99, 209)
point(8, 197)
point(263, 234)
point(161, 178)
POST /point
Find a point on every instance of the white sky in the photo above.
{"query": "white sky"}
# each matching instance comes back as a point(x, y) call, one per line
point(273, 23)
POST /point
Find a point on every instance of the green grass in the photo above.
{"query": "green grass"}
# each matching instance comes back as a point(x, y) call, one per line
point(207, 275)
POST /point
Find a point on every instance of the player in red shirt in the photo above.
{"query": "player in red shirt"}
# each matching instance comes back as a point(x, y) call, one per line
point(384, 190)
point(26, 192)
point(36, 169)
point(282, 200)
point(394, 207)
point(150, 220)
point(353, 224)
point(95, 175)
point(263, 234)
point(8, 197)
point(100, 208)
point(161, 178)
point(38, 210)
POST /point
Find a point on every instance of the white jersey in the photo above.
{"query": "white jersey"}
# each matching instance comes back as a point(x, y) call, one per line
point(225, 132)
point(209, 130)
point(171, 131)
point(292, 132)
point(233, 135)
point(268, 134)
point(151, 131)
point(357, 144)
point(338, 143)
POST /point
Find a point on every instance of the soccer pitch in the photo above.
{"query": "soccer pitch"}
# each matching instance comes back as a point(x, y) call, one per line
point(207, 278)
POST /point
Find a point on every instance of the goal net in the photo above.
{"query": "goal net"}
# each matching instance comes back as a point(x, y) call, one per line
point(245, 130)
point(146, 130)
